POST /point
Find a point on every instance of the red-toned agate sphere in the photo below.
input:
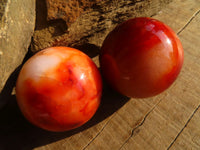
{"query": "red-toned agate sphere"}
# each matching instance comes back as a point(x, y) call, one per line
point(59, 89)
point(141, 57)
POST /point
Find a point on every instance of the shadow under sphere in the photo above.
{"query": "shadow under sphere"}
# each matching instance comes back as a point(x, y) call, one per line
point(17, 133)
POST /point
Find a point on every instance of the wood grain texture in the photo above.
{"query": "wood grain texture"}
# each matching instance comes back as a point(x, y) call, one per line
point(189, 136)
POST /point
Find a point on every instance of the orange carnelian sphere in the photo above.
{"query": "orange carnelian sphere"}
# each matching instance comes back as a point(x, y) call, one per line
point(59, 89)
point(141, 57)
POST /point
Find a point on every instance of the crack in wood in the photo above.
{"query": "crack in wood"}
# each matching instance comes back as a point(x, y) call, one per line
point(190, 20)
point(99, 132)
point(142, 122)
point(183, 127)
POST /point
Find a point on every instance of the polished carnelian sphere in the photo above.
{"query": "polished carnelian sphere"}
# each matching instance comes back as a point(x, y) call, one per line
point(59, 89)
point(141, 57)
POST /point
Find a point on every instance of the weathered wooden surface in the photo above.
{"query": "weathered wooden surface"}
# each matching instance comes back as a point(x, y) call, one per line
point(85, 23)
point(170, 120)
